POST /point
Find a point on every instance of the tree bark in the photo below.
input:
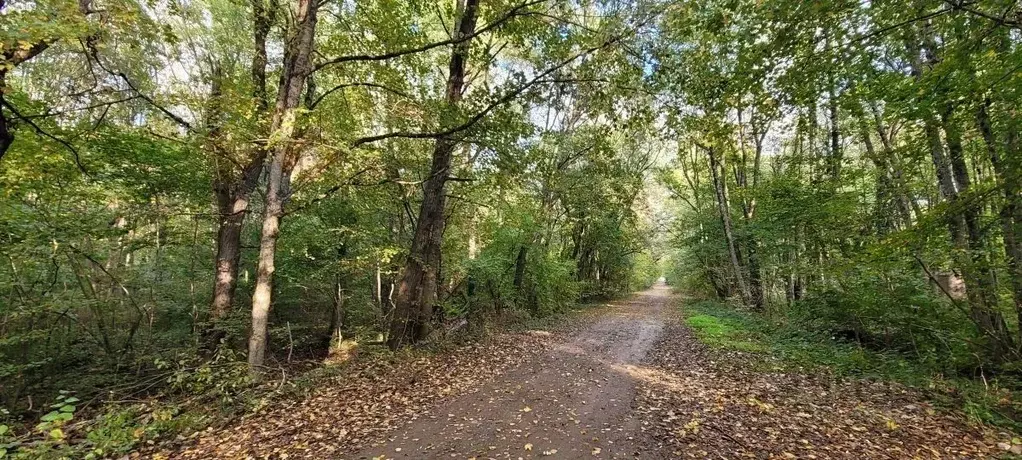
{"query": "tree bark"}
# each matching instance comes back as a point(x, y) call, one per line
point(418, 286)
point(1010, 212)
point(887, 211)
point(963, 226)
point(233, 190)
point(906, 205)
point(6, 131)
point(749, 206)
point(337, 315)
point(980, 285)
point(836, 155)
point(725, 217)
point(283, 157)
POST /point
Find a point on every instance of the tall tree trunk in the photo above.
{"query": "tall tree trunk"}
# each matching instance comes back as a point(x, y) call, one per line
point(963, 226)
point(232, 206)
point(836, 157)
point(1010, 213)
point(886, 216)
point(283, 157)
point(980, 284)
point(417, 290)
point(725, 217)
point(749, 206)
point(520, 261)
point(262, 298)
point(906, 206)
point(231, 189)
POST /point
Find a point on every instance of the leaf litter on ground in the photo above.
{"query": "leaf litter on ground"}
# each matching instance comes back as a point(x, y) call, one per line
point(711, 402)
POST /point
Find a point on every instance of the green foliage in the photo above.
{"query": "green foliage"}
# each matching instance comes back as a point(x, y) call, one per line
point(784, 344)
point(723, 332)
point(134, 127)
point(220, 379)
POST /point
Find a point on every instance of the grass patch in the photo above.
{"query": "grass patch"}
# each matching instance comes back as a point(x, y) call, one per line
point(784, 347)
point(724, 332)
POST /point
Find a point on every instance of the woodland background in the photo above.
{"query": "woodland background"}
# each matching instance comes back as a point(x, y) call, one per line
point(195, 194)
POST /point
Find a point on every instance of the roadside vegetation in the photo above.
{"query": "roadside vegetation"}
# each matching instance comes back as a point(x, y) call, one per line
point(785, 345)
point(848, 177)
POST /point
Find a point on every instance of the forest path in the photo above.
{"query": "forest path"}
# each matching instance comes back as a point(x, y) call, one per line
point(631, 380)
point(573, 401)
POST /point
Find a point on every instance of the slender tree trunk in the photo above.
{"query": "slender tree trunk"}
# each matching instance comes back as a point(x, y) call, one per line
point(337, 314)
point(1010, 213)
point(520, 261)
point(836, 154)
point(284, 156)
point(417, 290)
point(980, 286)
point(6, 133)
point(749, 206)
point(953, 178)
point(906, 205)
point(262, 298)
point(231, 190)
point(725, 217)
point(886, 217)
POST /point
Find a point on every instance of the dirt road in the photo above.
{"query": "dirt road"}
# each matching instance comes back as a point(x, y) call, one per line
point(632, 381)
point(574, 401)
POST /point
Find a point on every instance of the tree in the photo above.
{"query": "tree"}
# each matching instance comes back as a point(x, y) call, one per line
point(284, 149)
point(416, 292)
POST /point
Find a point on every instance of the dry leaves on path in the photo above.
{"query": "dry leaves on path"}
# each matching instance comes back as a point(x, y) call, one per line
point(361, 405)
point(705, 402)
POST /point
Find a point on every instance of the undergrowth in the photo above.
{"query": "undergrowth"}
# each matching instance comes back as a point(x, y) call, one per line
point(193, 395)
point(785, 347)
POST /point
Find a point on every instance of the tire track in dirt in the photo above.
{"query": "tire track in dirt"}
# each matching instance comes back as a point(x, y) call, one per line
point(573, 401)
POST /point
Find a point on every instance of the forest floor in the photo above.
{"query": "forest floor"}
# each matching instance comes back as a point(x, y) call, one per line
point(631, 380)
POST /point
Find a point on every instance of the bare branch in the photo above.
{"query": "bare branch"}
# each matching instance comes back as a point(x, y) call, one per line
point(81, 109)
point(94, 53)
point(1000, 20)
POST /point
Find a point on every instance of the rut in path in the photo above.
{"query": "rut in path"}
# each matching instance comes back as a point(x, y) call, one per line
point(574, 401)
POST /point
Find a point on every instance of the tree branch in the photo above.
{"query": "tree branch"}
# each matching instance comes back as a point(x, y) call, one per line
point(350, 85)
point(511, 95)
point(960, 5)
point(39, 130)
point(510, 14)
point(94, 52)
point(94, 106)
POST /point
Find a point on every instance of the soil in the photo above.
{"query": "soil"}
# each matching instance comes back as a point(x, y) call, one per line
point(574, 401)
point(630, 382)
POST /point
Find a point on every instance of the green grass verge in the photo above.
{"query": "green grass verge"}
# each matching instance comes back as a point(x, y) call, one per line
point(784, 347)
